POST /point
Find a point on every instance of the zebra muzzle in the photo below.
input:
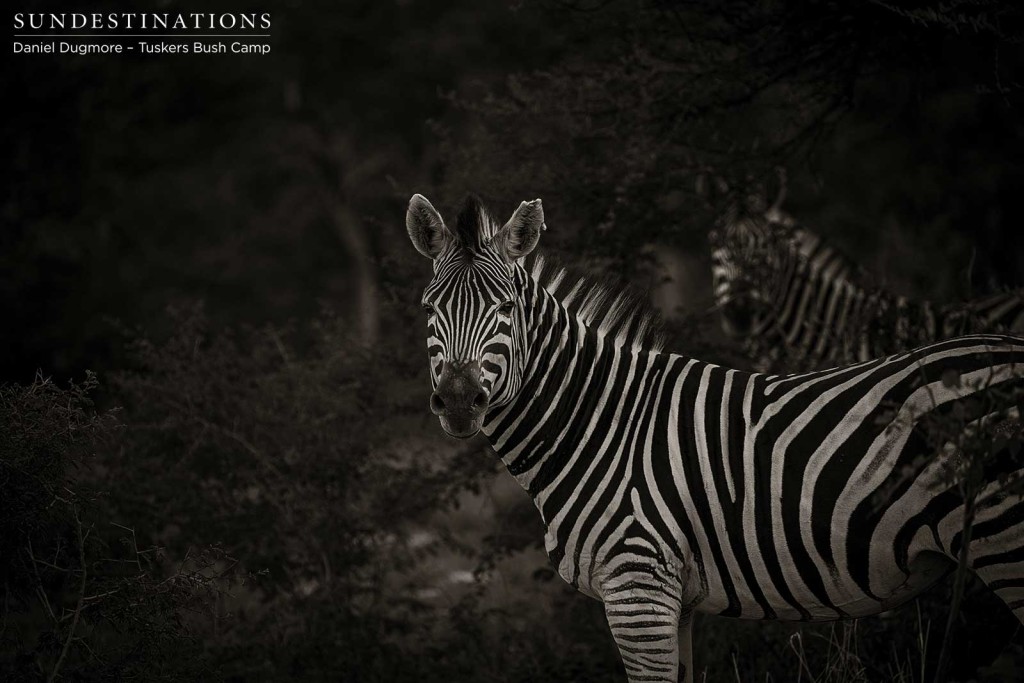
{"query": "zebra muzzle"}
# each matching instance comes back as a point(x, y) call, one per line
point(460, 400)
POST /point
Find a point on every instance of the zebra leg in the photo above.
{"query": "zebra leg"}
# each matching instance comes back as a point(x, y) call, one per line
point(1006, 581)
point(645, 623)
point(998, 559)
point(686, 673)
point(996, 547)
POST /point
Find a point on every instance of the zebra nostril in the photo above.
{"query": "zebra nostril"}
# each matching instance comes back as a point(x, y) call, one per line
point(480, 401)
point(437, 406)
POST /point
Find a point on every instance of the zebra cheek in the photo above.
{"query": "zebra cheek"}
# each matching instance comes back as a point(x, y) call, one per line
point(492, 385)
point(436, 363)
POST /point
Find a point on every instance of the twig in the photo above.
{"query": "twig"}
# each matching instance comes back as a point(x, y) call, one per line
point(7, 595)
point(39, 581)
point(81, 600)
point(276, 338)
point(102, 595)
point(135, 545)
point(922, 639)
point(958, 591)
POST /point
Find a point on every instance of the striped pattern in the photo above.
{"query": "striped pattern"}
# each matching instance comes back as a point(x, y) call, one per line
point(668, 485)
point(793, 299)
point(464, 300)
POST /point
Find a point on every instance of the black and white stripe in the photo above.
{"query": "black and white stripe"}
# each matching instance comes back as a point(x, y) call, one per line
point(792, 298)
point(669, 486)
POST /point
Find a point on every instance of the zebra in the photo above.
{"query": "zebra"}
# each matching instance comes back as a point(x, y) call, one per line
point(786, 293)
point(670, 486)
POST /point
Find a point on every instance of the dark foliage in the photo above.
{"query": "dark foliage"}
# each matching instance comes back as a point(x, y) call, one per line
point(279, 443)
point(82, 600)
point(658, 101)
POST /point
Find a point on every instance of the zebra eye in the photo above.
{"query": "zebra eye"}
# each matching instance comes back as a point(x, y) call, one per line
point(429, 308)
point(505, 309)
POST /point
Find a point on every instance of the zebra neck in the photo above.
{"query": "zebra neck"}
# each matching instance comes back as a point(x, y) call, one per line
point(573, 376)
point(812, 292)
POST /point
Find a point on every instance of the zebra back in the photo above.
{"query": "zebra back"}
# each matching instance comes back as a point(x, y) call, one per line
point(797, 302)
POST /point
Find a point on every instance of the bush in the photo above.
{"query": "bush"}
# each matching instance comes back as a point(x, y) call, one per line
point(81, 600)
point(304, 454)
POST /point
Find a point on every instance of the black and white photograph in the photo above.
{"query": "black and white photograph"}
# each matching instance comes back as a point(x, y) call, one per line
point(512, 341)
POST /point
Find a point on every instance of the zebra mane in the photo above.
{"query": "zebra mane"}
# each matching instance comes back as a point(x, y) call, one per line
point(789, 235)
point(619, 314)
point(473, 224)
point(615, 313)
point(805, 241)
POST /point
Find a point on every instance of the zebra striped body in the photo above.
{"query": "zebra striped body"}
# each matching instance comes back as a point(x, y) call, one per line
point(793, 297)
point(668, 485)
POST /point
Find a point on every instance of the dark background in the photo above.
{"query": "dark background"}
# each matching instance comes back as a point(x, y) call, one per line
point(220, 239)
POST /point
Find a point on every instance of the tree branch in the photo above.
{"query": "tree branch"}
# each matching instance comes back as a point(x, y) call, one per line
point(81, 600)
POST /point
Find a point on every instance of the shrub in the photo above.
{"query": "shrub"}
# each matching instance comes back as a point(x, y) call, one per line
point(81, 600)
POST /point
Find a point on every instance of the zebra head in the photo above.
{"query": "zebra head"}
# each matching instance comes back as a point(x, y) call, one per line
point(735, 247)
point(476, 313)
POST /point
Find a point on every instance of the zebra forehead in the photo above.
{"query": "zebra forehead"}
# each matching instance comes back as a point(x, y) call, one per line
point(478, 277)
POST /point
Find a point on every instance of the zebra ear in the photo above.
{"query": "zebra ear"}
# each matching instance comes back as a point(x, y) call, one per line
point(426, 229)
point(522, 232)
